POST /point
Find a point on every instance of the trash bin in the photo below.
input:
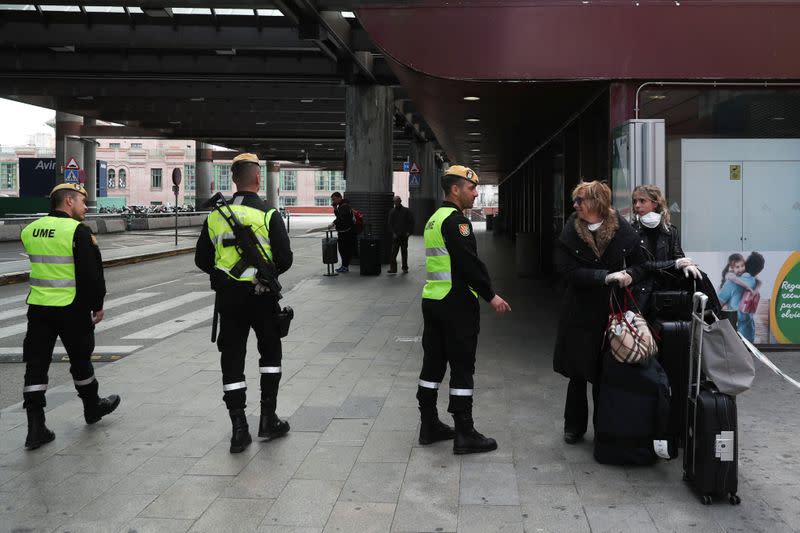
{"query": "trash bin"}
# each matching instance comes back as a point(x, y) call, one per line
point(489, 222)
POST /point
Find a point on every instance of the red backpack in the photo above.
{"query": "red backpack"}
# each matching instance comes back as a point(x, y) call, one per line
point(749, 303)
point(358, 220)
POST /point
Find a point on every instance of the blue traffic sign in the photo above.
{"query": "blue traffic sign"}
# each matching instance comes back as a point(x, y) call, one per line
point(71, 175)
point(406, 166)
point(414, 180)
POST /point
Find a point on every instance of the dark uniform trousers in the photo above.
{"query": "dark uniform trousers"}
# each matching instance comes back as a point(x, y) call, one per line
point(76, 330)
point(239, 311)
point(450, 336)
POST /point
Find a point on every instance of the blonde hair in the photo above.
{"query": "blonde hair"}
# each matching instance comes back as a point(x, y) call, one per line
point(596, 196)
point(654, 194)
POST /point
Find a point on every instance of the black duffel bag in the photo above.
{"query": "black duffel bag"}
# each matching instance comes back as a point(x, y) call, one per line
point(632, 414)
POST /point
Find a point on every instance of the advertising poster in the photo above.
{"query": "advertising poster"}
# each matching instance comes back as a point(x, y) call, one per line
point(763, 287)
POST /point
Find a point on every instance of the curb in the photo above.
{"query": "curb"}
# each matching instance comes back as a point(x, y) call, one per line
point(20, 277)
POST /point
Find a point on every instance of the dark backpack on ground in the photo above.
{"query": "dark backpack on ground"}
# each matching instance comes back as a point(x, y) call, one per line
point(632, 414)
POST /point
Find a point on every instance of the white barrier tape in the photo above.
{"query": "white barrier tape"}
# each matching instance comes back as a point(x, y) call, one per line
point(769, 364)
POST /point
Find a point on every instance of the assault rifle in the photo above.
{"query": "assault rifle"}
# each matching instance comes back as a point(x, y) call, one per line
point(251, 252)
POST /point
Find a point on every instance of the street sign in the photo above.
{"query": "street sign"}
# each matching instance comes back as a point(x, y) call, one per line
point(415, 169)
point(406, 166)
point(414, 180)
point(175, 189)
point(176, 176)
point(71, 175)
point(72, 163)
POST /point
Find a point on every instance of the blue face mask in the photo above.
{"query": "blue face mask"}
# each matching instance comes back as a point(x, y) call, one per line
point(651, 220)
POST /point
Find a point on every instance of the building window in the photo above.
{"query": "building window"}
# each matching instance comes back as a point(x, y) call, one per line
point(123, 178)
point(188, 172)
point(263, 185)
point(222, 177)
point(155, 178)
point(188, 200)
point(329, 180)
point(136, 146)
point(8, 175)
point(286, 201)
point(320, 201)
point(112, 178)
point(114, 146)
point(288, 180)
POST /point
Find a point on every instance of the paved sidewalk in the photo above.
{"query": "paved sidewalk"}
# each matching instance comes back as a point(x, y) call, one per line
point(351, 461)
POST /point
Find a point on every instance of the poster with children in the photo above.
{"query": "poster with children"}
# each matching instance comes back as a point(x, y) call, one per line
point(763, 287)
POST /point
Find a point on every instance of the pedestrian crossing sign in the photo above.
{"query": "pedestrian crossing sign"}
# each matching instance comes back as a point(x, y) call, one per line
point(414, 180)
point(71, 175)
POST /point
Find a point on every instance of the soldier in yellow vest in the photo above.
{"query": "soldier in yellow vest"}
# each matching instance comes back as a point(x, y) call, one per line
point(455, 278)
point(66, 295)
point(241, 301)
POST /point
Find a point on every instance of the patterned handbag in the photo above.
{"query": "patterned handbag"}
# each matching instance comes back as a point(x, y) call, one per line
point(629, 337)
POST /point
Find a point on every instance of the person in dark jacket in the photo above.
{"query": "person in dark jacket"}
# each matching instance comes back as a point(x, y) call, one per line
point(401, 224)
point(594, 254)
point(665, 263)
point(67, 289)
point(345, 230)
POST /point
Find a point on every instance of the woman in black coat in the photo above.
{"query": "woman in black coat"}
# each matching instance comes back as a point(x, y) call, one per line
point(595, 252)
point(665, 265)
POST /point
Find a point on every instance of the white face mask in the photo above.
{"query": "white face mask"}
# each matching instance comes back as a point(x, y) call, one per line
point(651, 219)
point(595, 227)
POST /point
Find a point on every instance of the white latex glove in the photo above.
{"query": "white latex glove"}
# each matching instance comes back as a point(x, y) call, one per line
point(626, 279)
point(615, 277)
point(683, 262)
point(692, 271)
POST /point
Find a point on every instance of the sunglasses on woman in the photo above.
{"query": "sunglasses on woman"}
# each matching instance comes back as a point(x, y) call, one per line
point(578, 200)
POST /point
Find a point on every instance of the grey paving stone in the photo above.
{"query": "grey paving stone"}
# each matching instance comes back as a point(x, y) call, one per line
point(489, 519)
point(166, 465)
point(488, 484)
point(305, 503)
point(229, 515)
point(682, 517)
point(266, 475)
point(608, 518)
point(150, 483)
point(389, 446)
point(329, 394)
point(113, 508)
point(328, 462)
point(188, 498)
point(429, 494)
point(364, 517)
point(312, 418)
point(156, 525)
point(530, 476)
point(555, 508)
point(288, 529)
point(361, 407)
point(339, 347)
point(397, 419)
point(374, 482)
point(200, 439)
point(347, 432)
point(219, 461)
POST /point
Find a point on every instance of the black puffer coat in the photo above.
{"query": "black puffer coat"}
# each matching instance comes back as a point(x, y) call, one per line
point(584, 306)
point(658, 271)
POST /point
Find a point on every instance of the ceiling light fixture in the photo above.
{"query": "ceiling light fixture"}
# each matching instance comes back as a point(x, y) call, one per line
point(261, 123)
point(472, 98)
point(226, 52)
point(657, 96)
point(306, 100)
point(475, 150)
point(778, 118)
point(474, 133)
point(472, 119)
point(348, 14)
point(197, 99)
point(65, 48)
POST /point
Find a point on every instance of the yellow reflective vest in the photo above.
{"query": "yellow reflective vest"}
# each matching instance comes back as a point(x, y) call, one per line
point(438, 271)
point(226, 255)
point(48, 242)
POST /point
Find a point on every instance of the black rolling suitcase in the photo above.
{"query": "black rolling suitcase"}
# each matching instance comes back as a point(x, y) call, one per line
point(673, 354)
point(330, 254)
point(369, 256)
point(711, 457)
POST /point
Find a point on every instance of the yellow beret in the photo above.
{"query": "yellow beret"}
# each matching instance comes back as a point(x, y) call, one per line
point(69, 186)
point(462, 172)
point(245, 158)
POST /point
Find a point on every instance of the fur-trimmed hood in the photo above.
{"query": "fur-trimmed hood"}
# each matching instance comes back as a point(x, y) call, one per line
point(598, 240)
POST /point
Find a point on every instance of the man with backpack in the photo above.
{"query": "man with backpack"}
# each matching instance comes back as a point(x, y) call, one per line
point(348, 224)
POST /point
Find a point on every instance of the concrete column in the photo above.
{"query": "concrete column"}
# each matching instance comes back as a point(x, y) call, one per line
point(368, 146)
point(424, 201)
point(273, 183)
point(68, 142)
point(90, 168)
point(204, 156)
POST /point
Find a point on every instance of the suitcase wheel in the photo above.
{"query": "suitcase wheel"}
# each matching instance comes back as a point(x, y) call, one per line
point(734, 499)
point(706, 499)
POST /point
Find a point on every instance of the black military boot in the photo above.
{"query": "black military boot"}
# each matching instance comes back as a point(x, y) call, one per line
point(240, 436)
point(269, 425)
point(38, 433)
point(431, 429)
point(94, 410)
point(468, 440)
